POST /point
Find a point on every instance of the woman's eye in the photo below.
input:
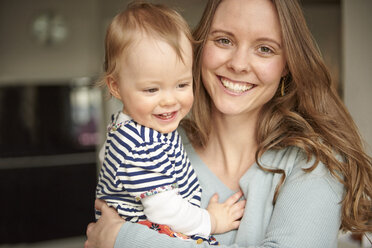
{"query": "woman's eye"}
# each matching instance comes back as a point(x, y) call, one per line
point(223, 41)
point(265, 49)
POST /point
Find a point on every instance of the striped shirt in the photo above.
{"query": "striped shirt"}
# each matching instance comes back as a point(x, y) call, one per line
point(138, 162)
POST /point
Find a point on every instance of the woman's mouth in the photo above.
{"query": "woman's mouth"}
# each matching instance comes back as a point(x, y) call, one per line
point(236, 87)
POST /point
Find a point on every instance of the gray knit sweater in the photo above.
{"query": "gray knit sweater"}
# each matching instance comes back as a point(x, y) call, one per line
point(307, 213)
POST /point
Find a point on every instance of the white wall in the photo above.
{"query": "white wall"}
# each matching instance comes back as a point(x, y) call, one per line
point(357, 64)
point(22, 59)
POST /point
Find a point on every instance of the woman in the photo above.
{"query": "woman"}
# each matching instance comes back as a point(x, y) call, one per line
point(266, 121)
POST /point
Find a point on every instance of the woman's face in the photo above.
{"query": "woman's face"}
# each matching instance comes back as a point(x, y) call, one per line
point(243, 58)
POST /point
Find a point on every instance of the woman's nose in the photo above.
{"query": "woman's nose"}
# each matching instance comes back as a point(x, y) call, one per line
point(239, 61)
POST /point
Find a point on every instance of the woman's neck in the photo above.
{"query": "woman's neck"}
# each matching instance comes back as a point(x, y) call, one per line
point(231, 147)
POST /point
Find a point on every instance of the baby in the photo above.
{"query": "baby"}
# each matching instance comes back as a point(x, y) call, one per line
point(146, 174)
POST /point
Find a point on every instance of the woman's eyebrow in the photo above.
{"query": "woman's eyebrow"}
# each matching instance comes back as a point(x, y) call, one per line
point(217, 31)
point(270, 40)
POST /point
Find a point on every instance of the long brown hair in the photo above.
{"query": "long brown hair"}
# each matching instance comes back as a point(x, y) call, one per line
point(310, 115)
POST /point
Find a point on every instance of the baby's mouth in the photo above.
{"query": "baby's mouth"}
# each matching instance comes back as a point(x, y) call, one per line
point(236, 86)
point(166, 116)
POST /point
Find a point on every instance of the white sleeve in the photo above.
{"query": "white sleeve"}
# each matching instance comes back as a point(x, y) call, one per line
point(169, 208)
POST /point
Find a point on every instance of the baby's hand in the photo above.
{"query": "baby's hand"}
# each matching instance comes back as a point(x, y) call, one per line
point(225, 216)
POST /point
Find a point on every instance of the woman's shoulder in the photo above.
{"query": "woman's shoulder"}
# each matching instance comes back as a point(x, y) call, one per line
point(290, 159)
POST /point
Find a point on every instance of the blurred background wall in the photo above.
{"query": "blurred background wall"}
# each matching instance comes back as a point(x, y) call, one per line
point(357, 64)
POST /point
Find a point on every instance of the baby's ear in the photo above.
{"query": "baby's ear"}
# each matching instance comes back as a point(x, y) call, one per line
point(113, 86)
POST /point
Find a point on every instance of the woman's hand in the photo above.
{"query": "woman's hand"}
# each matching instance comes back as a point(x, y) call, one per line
point(102, 234)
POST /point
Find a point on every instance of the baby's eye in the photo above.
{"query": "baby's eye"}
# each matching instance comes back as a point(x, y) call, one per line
point(183, 85)
point(151, 90)
point(223, 41)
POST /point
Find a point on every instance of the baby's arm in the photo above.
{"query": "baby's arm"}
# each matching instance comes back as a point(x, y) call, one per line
point(171, 209)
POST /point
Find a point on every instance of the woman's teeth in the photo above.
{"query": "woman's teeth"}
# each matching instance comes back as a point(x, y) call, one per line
point(236, 87)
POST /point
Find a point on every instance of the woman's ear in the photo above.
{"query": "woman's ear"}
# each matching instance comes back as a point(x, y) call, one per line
point(113, 86)
point(285, 71)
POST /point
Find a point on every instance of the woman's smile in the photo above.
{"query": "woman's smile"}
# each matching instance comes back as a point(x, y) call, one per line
point(235, 87)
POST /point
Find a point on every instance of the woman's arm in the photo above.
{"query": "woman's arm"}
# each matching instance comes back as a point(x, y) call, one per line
point(307, 214)
point(103, 233)
point(112, 231)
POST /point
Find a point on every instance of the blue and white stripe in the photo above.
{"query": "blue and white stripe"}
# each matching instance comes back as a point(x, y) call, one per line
point(138, 161)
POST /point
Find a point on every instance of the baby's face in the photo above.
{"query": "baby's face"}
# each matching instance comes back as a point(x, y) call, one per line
point(155, 85)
